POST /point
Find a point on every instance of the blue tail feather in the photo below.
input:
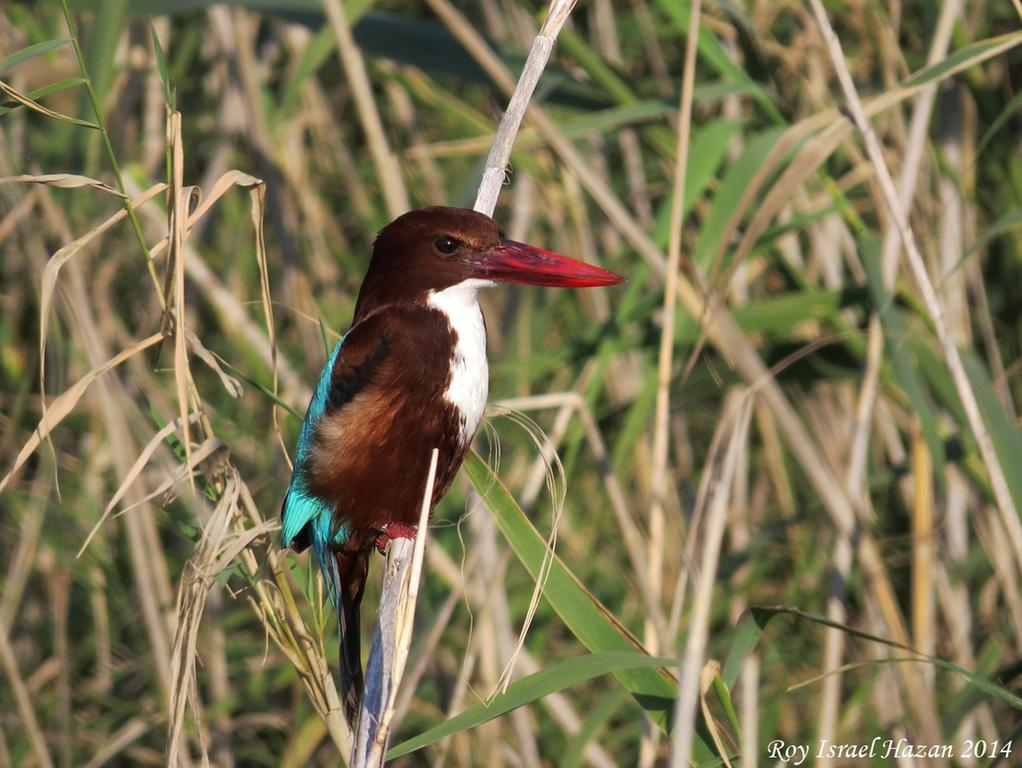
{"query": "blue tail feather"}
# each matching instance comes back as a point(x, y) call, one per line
point(300, 507)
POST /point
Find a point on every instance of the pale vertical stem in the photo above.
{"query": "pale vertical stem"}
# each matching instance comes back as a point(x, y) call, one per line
point(916, 143)
point(219, 680)
point(59, 588)
point(500, 149)
point(661, 422)
point(1005, 504)
point(658, 475)
point(835, 639)
point(749, 682)
point(394, 193)
point(834, 643)
point(956, 593)
point(922, 555)
point(738, 412)
point(23, 700)
point(393, 637)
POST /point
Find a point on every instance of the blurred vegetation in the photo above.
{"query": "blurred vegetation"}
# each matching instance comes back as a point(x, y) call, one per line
point(858, 492)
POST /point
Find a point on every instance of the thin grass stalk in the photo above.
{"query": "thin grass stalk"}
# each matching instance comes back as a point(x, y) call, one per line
point(953, 360)
point(23, 701)
point(834, 641)
point(661, 424)
point(494, 174)
point(923, 565)
point(687, 703)
point(387, 168)
point(916, 142)
point(574, 402)
point(108, 147)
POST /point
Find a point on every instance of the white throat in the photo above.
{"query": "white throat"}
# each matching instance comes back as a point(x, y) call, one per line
point(470, 374)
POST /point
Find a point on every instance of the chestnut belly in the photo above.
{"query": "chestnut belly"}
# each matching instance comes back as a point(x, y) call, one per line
point(370, 459)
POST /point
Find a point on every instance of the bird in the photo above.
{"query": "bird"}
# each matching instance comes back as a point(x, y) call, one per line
point(410, 375)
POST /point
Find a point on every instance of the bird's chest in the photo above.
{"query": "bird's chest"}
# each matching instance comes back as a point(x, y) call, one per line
point(468, 381)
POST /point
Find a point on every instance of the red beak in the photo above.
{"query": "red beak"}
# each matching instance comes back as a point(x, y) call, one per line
point(514, 262)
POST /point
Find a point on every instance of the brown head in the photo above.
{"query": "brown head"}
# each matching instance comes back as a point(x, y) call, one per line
point(430, 249)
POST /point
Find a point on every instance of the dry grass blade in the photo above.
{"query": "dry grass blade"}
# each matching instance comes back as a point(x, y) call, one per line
point(52, 272)
point(231, 384)
point(658, 472)
point(63, 180)
point(37, 107)
point(932, 302)
point(387, 168)
point(136, 470)
point(200, 572)
point(203, 452)
point(178, 212)
point(557, 489)
point(128, 733)
point(66, 402)
point(687, 702)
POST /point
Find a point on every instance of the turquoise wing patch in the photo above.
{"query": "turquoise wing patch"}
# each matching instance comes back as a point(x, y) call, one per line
point(300, 507)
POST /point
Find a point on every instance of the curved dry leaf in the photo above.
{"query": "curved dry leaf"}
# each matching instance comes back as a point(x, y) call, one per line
point(133, 473)
point(66, 402)
point(206, 449)
point(52, 270)
point(231, 384)
point(191, 604)
point(37, 107)
point(220, 187)
point(63, 180)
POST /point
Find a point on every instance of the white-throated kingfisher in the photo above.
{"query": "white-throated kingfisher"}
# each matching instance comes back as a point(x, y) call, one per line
point(409, 376)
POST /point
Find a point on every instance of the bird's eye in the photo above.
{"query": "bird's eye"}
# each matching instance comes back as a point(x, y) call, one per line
point(446, 245)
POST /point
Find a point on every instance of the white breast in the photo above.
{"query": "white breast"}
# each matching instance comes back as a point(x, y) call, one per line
point(470, 375)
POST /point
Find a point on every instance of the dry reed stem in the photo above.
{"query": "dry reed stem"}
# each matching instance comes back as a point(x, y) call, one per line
point(916, 142)
point(192, 595)
point(495, 172)
point(1005, 504)
point(394, 621)
point(834, 642)
point(177, 209)
point(23, 701)
point(66, 402)
point(737, 418)
point(843, 553)
point(387, 168)
point(661, 424)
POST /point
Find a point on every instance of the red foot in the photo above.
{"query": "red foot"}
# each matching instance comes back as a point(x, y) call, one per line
point(393, 531)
